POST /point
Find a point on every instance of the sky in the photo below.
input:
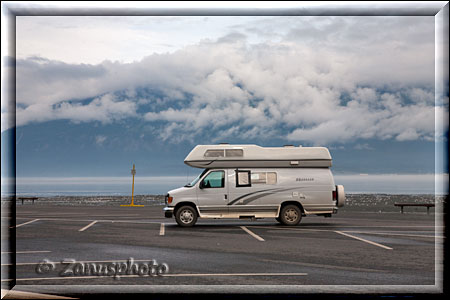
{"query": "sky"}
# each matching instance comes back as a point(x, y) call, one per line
point(96, 94)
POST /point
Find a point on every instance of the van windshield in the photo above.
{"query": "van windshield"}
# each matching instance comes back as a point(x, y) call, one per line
point(196, 179)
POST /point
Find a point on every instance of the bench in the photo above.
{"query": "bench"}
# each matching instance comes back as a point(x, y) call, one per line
point(427, 205)
point(27, 198)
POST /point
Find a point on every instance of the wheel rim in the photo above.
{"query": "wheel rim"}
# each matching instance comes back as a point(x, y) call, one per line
point(186, 216)
point(291, 215)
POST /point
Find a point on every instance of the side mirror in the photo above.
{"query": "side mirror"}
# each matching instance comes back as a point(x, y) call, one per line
point(201, 185)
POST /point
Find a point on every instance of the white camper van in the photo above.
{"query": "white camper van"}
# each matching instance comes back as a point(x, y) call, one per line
point(249, 181)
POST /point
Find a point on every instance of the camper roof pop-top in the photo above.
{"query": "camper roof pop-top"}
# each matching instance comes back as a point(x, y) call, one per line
point(249, 181)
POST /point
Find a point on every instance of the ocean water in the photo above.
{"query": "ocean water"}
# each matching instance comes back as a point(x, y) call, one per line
point(120, 186)
point(95, 186)
point(394, 183)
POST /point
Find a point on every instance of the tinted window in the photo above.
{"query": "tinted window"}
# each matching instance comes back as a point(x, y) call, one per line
point(215, 179)
point(194, 182)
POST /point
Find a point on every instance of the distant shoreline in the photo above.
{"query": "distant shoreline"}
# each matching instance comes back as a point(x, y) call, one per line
point(428, 184)
point(354, 202)
point(3, 197)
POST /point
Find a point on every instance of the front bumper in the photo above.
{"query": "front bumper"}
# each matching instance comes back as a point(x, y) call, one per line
point(168, 211)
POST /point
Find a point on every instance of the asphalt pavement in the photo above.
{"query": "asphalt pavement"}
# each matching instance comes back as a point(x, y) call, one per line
point(79, 249)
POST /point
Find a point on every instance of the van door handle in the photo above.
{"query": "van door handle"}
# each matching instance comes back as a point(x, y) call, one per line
point(226, 197)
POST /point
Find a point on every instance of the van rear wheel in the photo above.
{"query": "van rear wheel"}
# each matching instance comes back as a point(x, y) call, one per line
point(186, 216)
point(290, 215)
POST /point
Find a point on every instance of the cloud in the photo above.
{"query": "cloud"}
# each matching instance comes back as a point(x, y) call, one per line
point(100, 139)
point(106, 108)
point(365, 81)
point(364, 146)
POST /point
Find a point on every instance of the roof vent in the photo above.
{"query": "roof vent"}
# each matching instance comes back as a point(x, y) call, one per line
point(288, 146)
point(224, 143)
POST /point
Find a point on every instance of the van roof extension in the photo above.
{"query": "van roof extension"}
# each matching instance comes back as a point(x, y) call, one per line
point(254, 156)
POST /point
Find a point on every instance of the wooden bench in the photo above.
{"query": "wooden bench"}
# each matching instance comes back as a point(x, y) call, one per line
point(427, 205)
point(27, 198)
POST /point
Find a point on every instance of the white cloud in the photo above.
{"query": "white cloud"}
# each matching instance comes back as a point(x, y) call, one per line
point(94, 39)
point(105, 109)
point(350, 78)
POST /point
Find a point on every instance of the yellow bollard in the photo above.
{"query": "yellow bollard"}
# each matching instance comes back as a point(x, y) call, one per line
point(133, 172)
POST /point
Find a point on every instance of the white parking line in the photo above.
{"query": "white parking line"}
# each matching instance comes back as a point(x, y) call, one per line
point(398, 234)
point(163, 275)
point(252, 234)
point(289, 228)
point(304, 264)
point(161, 229)
point(14, 294)
point(233, 274)
point(25, 223)
point(25, 252)
point(363, 240)
point(86, 227)
point(90, 220)
point(76, 215)
point(393, 233)
point(43, 212)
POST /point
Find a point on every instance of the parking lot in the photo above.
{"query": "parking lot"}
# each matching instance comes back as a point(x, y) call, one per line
point(351, 250)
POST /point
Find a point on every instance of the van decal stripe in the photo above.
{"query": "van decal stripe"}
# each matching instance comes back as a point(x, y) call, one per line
point(243, 196)
point(251, 199)
point(272, 191)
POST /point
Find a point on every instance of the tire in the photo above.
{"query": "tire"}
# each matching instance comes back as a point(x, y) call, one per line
point(290, 215)
point(186, 216)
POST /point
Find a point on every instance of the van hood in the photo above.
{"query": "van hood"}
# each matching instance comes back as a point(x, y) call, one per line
point(178, 191)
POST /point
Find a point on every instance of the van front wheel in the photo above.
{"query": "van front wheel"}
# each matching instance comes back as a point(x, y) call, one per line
point(186, 216)
point(290, 215)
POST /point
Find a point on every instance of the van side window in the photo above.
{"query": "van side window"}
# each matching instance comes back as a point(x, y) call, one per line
point(264, 178)
point(243, 178)
point(214, 153)
point(215, 179)
point(271, 177)
point(259, 177)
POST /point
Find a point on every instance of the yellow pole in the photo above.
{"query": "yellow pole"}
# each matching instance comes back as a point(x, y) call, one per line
point(133, 172)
